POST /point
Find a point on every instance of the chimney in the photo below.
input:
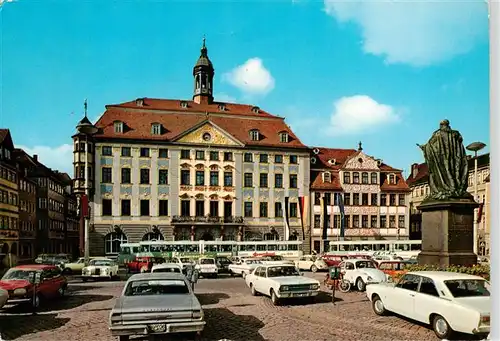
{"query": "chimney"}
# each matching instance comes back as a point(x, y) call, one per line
point(414, 170)
point(35, 157)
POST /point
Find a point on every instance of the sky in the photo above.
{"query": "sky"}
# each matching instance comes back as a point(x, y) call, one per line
point(340, 72)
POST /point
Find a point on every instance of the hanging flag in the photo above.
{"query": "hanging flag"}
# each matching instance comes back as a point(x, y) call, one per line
point(286, 221)
point(342, 215)
point(301, 209)
point(325, 219)
point(84, 206)
point(480, 212)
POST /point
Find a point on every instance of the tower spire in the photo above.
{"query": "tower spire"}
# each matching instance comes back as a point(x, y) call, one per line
point(203, 73)
point(85, 107)
point(360, 146)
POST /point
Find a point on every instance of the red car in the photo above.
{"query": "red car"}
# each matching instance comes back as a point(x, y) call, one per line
point(143, 264)
point(333, 260)
point(19, 283)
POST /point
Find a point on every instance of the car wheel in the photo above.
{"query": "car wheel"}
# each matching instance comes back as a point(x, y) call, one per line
point(124, 337)
point(441, 327)
point(252, 290)
point(378, 306)
point(314, 268)
point(67, 271)
point(85, 279)
point(360, 284)
point(61, 291)
point(274, 298)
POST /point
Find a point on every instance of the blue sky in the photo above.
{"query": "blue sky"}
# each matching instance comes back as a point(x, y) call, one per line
point(383, 73)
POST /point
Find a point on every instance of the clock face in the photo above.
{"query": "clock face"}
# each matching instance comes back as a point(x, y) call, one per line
point(207, 137)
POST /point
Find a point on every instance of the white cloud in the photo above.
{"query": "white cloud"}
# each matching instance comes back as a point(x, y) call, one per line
point(418, 33)
point(222, 97)
point(58, 158)
point(456, 86)
point(252, 77)
point(359, 114)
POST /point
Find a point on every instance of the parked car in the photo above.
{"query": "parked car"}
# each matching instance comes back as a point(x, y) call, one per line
point(360, 272)
point(223, 264)
point(143, 264)
point(167, 267)
point(20, 282)
point(244, 266)
point(386, 258)
point(49, 259)
point(4, 296)
point(450, 302)
point(100, 268)
point(76, 266)
point(184, 261)
point(156, 303)
point(412, 260)
point(311, 263)
point(281, 282)
point(392, 268)
point(207, 267)
point(333, 260)
point(276, 260)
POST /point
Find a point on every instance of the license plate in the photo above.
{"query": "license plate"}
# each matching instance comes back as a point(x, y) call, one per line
point(158, 328)
point(299, 295)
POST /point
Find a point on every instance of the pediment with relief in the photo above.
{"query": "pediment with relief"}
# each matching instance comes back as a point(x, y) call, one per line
point(214, 167)
point(185, 165)
point(361, 161)
point(208, 133)
point(185, 196)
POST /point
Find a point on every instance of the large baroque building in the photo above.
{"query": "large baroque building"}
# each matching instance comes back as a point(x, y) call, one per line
point(418, 180)
point(191, 170)
point(375, 197)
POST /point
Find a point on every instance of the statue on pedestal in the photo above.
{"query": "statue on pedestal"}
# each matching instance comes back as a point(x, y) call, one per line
point(447, 163)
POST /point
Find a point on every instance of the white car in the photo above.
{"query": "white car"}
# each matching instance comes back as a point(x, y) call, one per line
point(184, 262)
point(167, 267)
point(244, 266)
point(207, 267)
point(100, 268)
point(360, 272)
point(311, 263)
point(4, 296)
point(386, 258)
point(450, 302)
point(281, 282)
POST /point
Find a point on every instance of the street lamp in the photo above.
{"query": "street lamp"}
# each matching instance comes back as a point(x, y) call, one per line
point(475, 147)
point(86, 128)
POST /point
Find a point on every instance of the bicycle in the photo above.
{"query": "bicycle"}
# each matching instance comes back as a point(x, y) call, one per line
point(341, 284)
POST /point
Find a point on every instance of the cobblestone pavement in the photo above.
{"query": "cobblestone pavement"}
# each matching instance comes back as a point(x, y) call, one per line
point(231, 313)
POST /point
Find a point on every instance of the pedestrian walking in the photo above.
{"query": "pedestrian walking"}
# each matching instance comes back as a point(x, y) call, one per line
point(194, 277)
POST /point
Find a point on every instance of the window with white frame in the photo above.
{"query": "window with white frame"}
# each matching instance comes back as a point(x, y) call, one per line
point(156, 129)
point(118, 125)
point(112, 242)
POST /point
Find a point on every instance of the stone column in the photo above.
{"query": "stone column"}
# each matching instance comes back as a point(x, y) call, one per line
point(192, 233)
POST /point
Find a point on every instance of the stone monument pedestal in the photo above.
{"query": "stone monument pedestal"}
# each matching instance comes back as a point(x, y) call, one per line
point(448, 233)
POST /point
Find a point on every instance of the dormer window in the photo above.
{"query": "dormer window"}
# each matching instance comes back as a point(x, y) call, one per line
point(118, 125)
point(184, 104)
point(327, 177)
point(255, 110)
point(156, 129)
point(254, 135)
point(139, 102)
point(222, 107)
point(284, 137)
point(392, 179)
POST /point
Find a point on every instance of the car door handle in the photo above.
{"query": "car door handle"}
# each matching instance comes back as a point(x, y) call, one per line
point(412, 295)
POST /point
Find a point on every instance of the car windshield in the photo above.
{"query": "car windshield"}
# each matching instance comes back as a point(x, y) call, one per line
point(223, 260)
point(282, 271)
point(207, 261)
point(167, 269)
point(20, 274)
point(101, 262)
point(154, 288)
point(185, 260)
point(365, 264)
point(276, 258)
point(468, 287)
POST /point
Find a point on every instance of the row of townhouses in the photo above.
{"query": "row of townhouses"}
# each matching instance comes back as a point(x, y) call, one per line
point(165, 169)
point(38, 212)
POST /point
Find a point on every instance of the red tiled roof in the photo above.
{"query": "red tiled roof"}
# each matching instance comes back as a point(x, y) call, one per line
point(326, 154)
point(318, 183)
point(386, 168)
point(237, 121)
point(175, 105)
point(400, 184)
point(3, 134)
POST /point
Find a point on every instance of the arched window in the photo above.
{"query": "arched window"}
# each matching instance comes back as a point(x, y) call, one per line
point(355, 178)
point(153, 236)
point(112, 242)
point(392, 179)
point(364, 178)
point(374, 178)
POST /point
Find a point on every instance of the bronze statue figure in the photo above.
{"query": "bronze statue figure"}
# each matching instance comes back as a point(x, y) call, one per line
point(447, 163)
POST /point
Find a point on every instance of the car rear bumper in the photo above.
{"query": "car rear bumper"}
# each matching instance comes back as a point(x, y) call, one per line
point(481, 330)
point(96, 276)
point(18, 301)
point(143, 329)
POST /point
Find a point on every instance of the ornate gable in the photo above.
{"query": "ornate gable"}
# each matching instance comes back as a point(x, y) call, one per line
point(208, 133)
point(361, 161)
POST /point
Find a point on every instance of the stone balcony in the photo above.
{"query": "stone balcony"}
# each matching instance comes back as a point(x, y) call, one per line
point(207, 220)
